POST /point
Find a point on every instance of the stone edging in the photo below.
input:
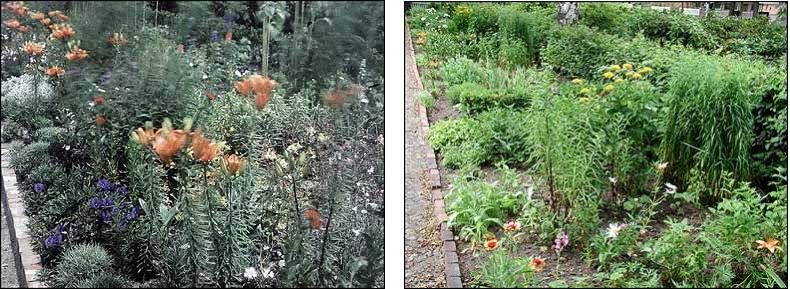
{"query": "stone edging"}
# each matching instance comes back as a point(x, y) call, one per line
point(452, 269)
point(27, 260)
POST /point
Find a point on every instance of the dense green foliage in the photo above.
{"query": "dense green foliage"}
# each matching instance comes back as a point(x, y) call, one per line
point(656, 142)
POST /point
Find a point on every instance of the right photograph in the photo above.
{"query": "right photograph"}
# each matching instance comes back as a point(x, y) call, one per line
point(578, 144)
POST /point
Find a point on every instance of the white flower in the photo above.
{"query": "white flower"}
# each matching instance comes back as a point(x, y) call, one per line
point(613, 231)
point(371, 170)
point(205, 76)
point(363, 100)
point(530, 191)
point(364, 211)
point(354, 209)
point(250, 273)
point(671, 189)
point(101, 90)
point(373, 205)
point(356, 232)
point(67, 147)
point(295, 147)
point(281, 263)
point(662, 166)
point(268, 273)
point(238, 74)
point(612, 180)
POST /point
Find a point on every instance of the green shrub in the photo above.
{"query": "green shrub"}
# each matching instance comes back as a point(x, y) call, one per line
point(480, 19)
point(589, 48)
point(529, 28)
point(441, 46)
point(709, 122)
point(474, 205)
point(427, 100)
point(769, 146)
point(612, 18)
point(674, 27)
point(105, 280)
point(81, 263)
point(461, 69)
point(681, 259)
point(630, 275)
point(489, 137)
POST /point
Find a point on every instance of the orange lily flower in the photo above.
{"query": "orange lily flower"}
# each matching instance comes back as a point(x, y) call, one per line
point(205, 150)
point(33, 48)
point(117, 39)
point(12, 23)
point(38, 16)
point(77, 54)
point(56, 71)
point(261, 86)
point(45, 21)
point(168, 143)
point(234, 163)
point(62, 31)
point(314, 217)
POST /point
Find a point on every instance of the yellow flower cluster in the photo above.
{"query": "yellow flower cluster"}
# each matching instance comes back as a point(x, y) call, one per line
point(617, 74)
point(463, 10)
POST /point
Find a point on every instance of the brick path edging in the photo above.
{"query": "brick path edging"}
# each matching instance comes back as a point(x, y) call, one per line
point(27, 260)
point(452, 269)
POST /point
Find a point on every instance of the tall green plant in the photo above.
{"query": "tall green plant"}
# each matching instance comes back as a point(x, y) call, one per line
point(709, 123)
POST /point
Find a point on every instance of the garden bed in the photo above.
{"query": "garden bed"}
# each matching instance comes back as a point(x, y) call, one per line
point(573, 166)
point(151, 152)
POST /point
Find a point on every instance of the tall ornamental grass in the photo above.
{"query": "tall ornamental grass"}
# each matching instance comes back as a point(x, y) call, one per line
point(709, 122)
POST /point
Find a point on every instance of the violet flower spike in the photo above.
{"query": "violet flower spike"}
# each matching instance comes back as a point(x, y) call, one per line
point(39, 187)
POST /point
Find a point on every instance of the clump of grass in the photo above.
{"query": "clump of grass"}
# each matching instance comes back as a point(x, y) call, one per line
point(427, 100)
point(709, 122)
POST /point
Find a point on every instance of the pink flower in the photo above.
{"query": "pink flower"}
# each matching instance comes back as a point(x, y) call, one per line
point(560, 242)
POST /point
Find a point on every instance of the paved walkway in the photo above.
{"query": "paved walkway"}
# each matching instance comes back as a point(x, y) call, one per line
point(424, 258)
point(8, 274)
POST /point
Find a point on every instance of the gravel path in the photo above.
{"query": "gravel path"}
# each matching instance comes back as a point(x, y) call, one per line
point(7, 265)
point(424, 259)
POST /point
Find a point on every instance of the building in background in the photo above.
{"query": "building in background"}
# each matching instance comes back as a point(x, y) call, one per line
point(739, 9)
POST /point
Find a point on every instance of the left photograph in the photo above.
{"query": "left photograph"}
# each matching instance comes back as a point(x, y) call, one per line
point(192, 144)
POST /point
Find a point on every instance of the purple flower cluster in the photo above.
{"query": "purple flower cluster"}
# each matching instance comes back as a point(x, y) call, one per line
point(560, 242)
point(229, 20)
point(55, 239)
point(39, 187)
point(108, 205)
point(214, 36)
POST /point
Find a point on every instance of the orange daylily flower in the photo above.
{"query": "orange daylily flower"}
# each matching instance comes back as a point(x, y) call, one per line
point(38, 16)
point(769, 244)
point(143, 137)
point(314, 217)
point(77, 54)
point(45, 21)
point(167, 143)
point(13, 23)
point(537, 264)
point(101, 120)
point(491, 244)
point(234, 163)
point(56, 71)
point(33, 48)
point(205, 150)
point(62, 31)
point(24, 29)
